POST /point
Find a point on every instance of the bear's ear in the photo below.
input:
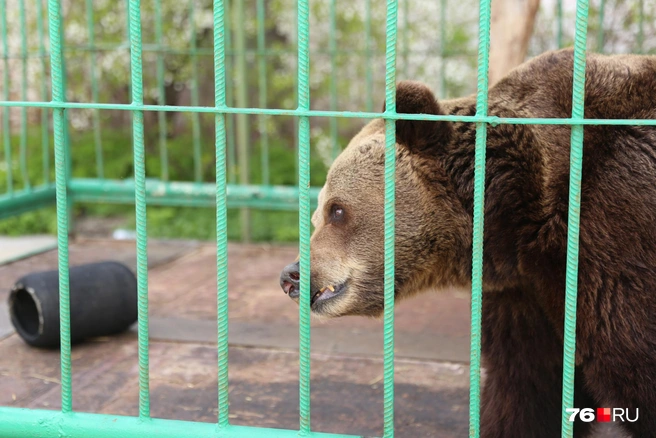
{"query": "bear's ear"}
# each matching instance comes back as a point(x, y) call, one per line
point(419, 136)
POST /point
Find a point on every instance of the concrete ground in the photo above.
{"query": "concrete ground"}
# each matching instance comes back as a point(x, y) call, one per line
point(432, 344)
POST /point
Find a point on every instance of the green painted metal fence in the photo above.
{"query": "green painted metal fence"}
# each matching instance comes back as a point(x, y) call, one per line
point(227, 193)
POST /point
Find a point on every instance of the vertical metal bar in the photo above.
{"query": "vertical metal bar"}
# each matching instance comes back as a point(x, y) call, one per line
point(641, 25)
point(242, 119)
point(230, 118)
point(94, 90)
point(161, 94)
point(559, 23)
point(600, 32)
point(67, 139)
point(576, 165)
point(406, 46)
point(332, 47)
point(221, 221)
point(369, 66)
point(390, 175)
point(296, 119)
point(332, 43)
point(262, 87)
point(303, 23)
point(443, 49)
point(61, 178)
point(195, 117)
point(127, 35)
point(479, 213)
point(23, 111)
point(140, 204)
point(5, 80)
point(45, 138)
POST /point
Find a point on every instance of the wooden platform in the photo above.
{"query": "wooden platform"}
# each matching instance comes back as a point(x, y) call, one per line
point(431, 369)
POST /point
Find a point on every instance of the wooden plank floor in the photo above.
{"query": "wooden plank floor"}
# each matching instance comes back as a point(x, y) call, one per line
point(431, 369)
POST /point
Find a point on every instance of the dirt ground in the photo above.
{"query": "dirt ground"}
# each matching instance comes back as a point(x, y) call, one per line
point(432, 345)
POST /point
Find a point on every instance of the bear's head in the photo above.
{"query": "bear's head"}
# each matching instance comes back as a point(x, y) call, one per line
point(432, 227)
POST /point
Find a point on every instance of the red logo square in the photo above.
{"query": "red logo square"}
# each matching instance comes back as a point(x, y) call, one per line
point(603, 414)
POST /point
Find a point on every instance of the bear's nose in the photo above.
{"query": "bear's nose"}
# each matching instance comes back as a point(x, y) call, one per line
point(289, 280)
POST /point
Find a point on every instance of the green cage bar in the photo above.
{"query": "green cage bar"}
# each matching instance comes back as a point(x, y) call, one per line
point(127, 39)
point(230, 119)
point(241, 100)
point(368, 52)
point(262, 90)
point(641, 26)
point(23, 118)
point(390, 186)
point(61, 178)
point(22, 201)
point(6, 138)
point(25, 422)
point(492, 120)
point(177, 194)
point(67, 140)
point(45, 132)
point(332, 48)
point(161, 94)
point(221, 211)
point(93, 60)
point(559, 23)
point(600, 31)
point(479, 214)
point(443, 92)
point(140, 204)
point(296, 85)
point(195, 118)
point(303, 30)
point(573, 215)
point(406, 44)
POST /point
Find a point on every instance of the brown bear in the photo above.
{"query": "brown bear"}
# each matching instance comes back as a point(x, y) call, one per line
point(525, 239)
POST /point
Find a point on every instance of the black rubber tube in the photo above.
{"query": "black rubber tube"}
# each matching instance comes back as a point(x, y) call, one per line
point(103, 302)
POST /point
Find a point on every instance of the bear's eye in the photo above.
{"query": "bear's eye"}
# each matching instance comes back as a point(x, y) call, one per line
point(336, 213)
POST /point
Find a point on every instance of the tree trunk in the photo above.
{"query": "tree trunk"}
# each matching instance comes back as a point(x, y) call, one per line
point(511, 30)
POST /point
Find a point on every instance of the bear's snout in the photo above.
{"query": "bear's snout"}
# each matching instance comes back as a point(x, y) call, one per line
point(289, 280)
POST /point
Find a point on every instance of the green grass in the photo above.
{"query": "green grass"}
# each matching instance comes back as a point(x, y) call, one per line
point(163, 222)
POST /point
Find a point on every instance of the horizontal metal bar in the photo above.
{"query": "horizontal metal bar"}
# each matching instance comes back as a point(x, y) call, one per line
point(19, 423)
point(26, 200)
point(492, 120)
point(184, 194)
point(189, 194)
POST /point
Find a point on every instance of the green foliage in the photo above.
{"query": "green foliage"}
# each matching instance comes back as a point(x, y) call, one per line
point(35, 222)
point(351, 77)
point(163, 222)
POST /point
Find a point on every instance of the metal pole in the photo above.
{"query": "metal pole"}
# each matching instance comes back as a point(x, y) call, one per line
point(242, 119)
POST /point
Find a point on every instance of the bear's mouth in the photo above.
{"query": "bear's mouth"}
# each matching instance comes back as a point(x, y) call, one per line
point(327, 293)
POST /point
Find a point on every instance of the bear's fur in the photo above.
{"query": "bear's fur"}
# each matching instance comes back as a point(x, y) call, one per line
point(525, 240)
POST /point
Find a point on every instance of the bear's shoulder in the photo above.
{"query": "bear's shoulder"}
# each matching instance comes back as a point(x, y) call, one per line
point(616, 86)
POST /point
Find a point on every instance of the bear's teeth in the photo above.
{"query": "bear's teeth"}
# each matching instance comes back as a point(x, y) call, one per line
point(320, 292)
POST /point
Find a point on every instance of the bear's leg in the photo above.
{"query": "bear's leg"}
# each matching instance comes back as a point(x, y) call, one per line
point(523, 361)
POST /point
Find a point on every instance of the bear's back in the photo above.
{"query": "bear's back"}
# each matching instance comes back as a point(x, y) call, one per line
point(618, 199)
point(617, 86)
